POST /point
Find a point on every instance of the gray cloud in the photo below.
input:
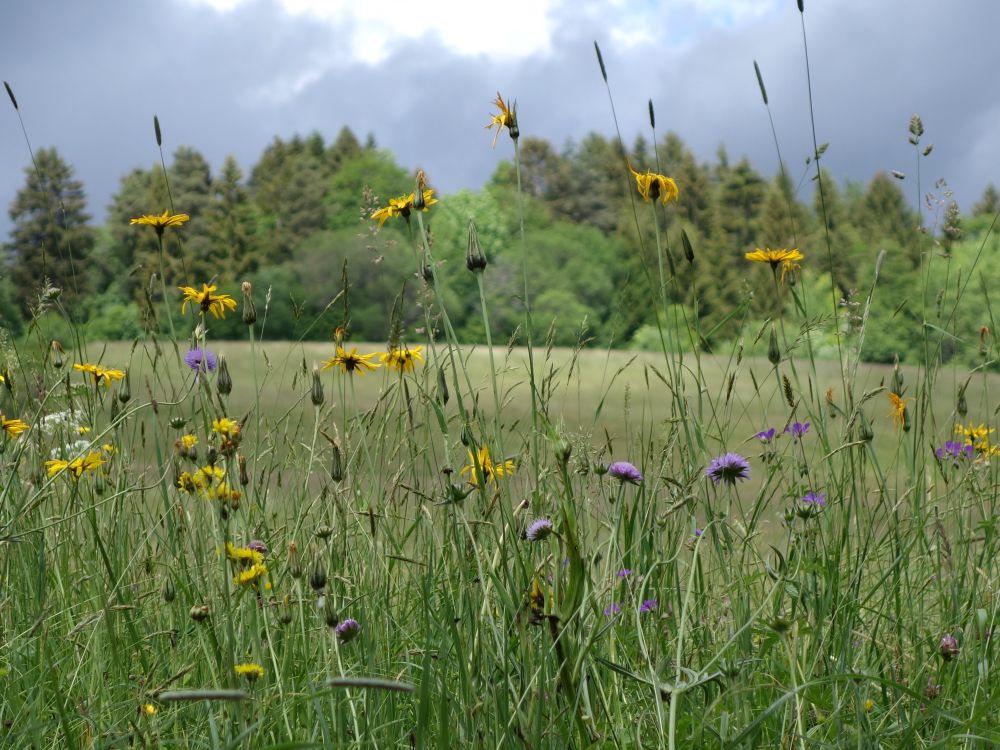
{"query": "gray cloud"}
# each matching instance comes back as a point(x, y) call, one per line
point(89, 78)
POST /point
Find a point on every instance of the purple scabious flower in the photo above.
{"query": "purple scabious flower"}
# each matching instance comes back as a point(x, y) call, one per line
point(798, 429)
point(201, 360)
point(815, 498)
point(625, 572)
point(612, 609)
point(955, 450)
point(346, 630)
point(728, 468)
point(625, 472)
point(766, 436)
point(948, 647)
point(538, 530)
point(257, 546)
point(648, 606)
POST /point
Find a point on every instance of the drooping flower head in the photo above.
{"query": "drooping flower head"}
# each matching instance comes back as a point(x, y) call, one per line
point(539, 530)
point(201, 360)
point(101, 374)
point(351, 361)
point(898, 411)
point(482, 464)
point(624, 472)
point(75, 468)
point(161, 222)
point(655, 187)
point(13, 427)
point(506, 117)
point(252, 672)
point(402, 358)
point(347, 630)
point(728, 468)
point(403, 206)
point(798, 429)
point(766, 436)
point(817, 499)
point(207, 300)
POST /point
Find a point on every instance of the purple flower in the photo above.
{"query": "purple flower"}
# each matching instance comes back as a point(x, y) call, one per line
point(766, 436)
point(798, 429)
point(538, 530)
point(815, 498)
point(625, 472)
point(257, 546)
point(625, 572)
point(955, 450)
point(346, 630)
point(728, 468)
point(948, 647)
point(201, 360)
point(698, 532)
point(648, 606)
point(612, 609)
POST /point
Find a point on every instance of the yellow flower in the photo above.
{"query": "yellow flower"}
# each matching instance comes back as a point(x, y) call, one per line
point(402, 358)
point(505, 118)
point(149, 709)
point(189, 441)
point(351, 361)
point(490, 471)
point(536, 598)
point(251, 671)
point(243, 554)
point(226, 427)
point(869, 705)
point(217, 304)
point(76, 467)
point(898, 410)
point(977, 435)
point(12, 427)
point(100, 373)
point(653, 187)
point(402, 206)
point(161, 222)
point(787, 259)
point(186, 483)
point(251, 574)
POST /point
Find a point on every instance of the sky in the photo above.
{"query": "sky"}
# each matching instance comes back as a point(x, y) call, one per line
point(227, 76)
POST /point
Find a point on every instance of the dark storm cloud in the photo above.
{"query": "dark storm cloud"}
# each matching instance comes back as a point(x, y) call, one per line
point(89, 81)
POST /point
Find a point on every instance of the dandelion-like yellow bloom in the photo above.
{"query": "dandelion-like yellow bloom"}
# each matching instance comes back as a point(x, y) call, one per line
point(898, 410)
point(976, 435)
point(186, 483)
point(506, 117)
point(653, 187)
point(76, 467)
point(243, 554)
point(402, 358)
point(351, 361)
point(252, 672)
point(161, 222)
point(149, 709)
point(536, 598)
point(403, 206)
point(189, 441)
point(217, 304)
point(13, 427)
point(489, 470)
point(251, 574)
point(787, 259)
point(100, 373)
point(226, 427)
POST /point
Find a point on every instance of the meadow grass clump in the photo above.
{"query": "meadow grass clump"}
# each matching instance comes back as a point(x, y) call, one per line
point(208, 543)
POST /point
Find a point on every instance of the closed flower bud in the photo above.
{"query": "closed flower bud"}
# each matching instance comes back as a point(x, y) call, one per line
point(294, 563)
point(223, 381)
point(337, 464)
point(316, 395)
point(284, 615)
point(199, 612)
point(948, 647)
point(249, 309)
point(324, 532)
point(331, 617)
point(241, 462)
point(467, 436)
point(688, 248)
point(427, 273)
point(865, 431)
point(962, 407)
point(125, 388)
point(442, 386)
point(419, 203)
point(178, 423)
point(475, 260)
point(563, 450)
point(57, 354)
point(773, 350)
point(317, 576)
point(169, 592)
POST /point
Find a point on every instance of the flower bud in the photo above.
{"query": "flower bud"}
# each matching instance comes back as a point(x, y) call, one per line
point(125, 388)
point(962, 407)
point(467, 440)
point(241, 462)
point(475, 261)
point(316, 395)
point(865, 431)
point(331, 617)
point(57, 354)
point(284, 615)
point(169, 592)
point(199, 612)
point(178, 423)
point(337, 464)
point(773, 350)
point(294, 563)
point(317, 576)
point(948, 647)
point(223, 382)
point(442, 386)
point(324, 532)
point(249, 309)
point(688, 248)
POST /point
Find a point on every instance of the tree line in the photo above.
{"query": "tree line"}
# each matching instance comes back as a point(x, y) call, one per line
point(297, 226)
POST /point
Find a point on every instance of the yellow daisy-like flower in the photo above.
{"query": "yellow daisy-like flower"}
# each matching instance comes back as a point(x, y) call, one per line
point(976, 435)
point(655, 187)
point(186, 483)
point(13, 427)
point(351, 361)
point(161, 222)
point(100, 373)
point(787, 259)
point(76, 467)
point(226, 427)
point(217, 304)
point(189, 441)
point(403, 206)
point(490, 471)
point(898, 410)
point(402, 358)
point(251, 574)
point(506, 117)
point(243, 554)
point(149, 709)
point(252, 672)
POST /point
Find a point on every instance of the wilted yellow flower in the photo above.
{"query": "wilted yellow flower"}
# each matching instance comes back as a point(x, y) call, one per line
point(402, 358)
point(653, 187)
point(217, 304)
point(12, 427)
point(76, 467)
point(490, 471)
point(506, 117)
point(898, 410)
point(100, 373)
point(251, 671)
point(351, 361)
point(402, 206)
point(161, 222)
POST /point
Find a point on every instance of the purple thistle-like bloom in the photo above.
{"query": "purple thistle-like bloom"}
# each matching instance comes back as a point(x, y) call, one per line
point(612, 609)
point(625, 572)
point(798, 429)
point(538, 530)
point(346, 630)
point(948, 647)
point(625, 472)
point(648, 606)
point(728, 468)
point(201, 360)
point(257, 546)
point(766, 436)
point(815, 498)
